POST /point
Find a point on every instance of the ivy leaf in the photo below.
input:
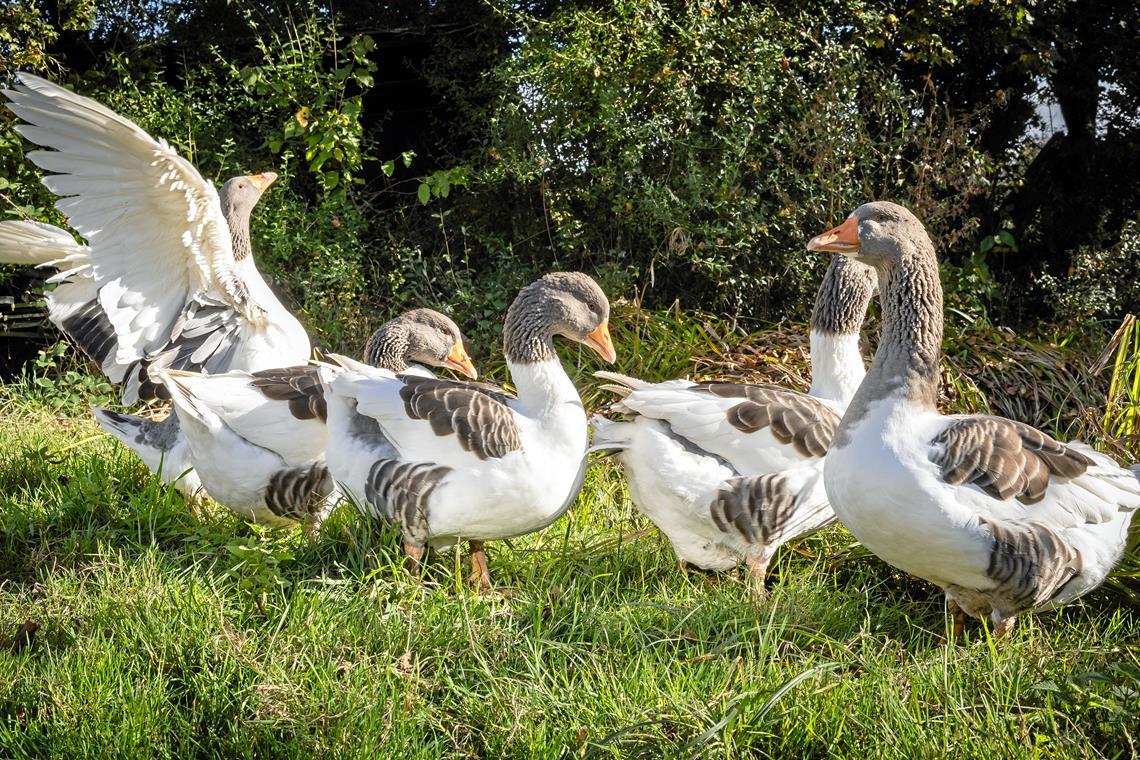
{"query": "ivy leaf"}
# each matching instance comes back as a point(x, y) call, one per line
point(388, 167)
point(423, 193)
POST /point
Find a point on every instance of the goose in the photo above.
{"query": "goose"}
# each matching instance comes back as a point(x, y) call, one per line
point(171, 266)
point(73, 304)
point(1001, 516)
point(255, 441)
point(730, 471)
point(446, 460)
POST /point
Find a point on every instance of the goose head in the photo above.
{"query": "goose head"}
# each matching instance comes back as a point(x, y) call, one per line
point(239, 195)
point(569, 304)
point(878, 234)
point(422, 336)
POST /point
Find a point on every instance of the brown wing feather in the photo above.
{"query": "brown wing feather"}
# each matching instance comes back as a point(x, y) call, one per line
point(300, 386)
point(478, 416)
point(796, 418)
point(1004, 458)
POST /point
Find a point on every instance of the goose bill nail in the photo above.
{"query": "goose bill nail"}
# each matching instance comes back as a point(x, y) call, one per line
point(263, 180)
point(460, 361)
point(841, 239)
point(600, 341)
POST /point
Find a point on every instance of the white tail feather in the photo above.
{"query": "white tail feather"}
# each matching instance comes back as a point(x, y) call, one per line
point(609, 435)
point(37, 244)
point(621, 384)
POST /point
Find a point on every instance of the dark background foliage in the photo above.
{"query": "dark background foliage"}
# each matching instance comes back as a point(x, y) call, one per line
point(444, 152)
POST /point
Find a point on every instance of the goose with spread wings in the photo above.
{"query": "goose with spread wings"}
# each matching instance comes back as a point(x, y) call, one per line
point(1001, 516)
point(730, 471)
point(446, 460)
point(170, 266)
point(255, 442)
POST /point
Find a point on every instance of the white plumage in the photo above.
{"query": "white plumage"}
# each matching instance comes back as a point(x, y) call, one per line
point(730, 471)
point(249, 452)
point(1000, 515)
point(162, 258)
point(256, 441)
point(479, 499)
point(447, 461)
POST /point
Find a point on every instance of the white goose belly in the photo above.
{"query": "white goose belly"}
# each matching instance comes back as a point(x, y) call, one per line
point(519, 493)
point(890, 496)
point(674, 488)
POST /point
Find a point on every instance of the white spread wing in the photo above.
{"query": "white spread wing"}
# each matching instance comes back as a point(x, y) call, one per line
point(154, 225)
point(73, 305)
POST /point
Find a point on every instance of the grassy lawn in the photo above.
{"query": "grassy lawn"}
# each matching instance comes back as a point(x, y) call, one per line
point(165, 631)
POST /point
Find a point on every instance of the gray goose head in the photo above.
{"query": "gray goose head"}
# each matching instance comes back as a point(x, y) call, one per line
point(422, 336)
point(569, 304)
point(238, 196)
point(879, 234)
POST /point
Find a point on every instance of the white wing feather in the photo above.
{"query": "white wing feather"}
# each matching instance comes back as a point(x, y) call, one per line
point(246, 411)
point(703, 419)
point(153, 223)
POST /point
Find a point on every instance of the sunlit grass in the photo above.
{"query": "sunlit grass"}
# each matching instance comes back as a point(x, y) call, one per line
point(166, 632)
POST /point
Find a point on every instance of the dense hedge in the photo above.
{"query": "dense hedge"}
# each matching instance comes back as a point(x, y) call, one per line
point(445, 152)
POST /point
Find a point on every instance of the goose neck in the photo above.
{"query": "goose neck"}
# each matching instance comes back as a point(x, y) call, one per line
point(238, 222)
point(837, 366)
point(526, 333)
point(544, 388)
point(905, 367)
point(386, 349)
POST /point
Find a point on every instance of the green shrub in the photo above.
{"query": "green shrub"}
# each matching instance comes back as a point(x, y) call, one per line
point(700, 144)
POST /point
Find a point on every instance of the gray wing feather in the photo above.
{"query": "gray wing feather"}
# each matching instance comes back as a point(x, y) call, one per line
point(398, 492)
point(300, 386)
point(1030, 562)
point(1004, 458)
point(299, 492)
point(205, 339)
point(479, 417)
point(796, 418)
point(758, 508)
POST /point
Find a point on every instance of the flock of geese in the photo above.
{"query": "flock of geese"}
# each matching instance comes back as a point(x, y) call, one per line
point(165, 297)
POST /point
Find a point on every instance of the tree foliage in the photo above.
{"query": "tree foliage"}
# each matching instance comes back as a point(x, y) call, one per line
point(445, 152)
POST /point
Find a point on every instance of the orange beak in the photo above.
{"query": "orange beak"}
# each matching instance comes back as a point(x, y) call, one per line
point(459, 361)
point(841, 239)
point(263, 180)
point(600, 341)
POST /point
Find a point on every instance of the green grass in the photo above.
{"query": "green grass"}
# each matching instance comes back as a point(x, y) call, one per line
point(169, 633)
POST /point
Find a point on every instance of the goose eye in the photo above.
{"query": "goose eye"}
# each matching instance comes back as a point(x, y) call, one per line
point(880, 217)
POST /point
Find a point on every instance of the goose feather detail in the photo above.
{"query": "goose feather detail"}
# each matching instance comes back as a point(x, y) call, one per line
point(448, 461)
point(730, 471)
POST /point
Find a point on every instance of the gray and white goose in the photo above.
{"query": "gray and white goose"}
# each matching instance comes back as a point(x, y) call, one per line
point(170, 265)
point(255, 442)
point(1001, 516)
point(731, 471)
point(447, 460)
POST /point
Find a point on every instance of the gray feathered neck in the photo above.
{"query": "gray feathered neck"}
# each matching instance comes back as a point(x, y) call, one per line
point(237, 205)
point(910, 346)
point(388, 347)
point(526, 331)
point(844, 294)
